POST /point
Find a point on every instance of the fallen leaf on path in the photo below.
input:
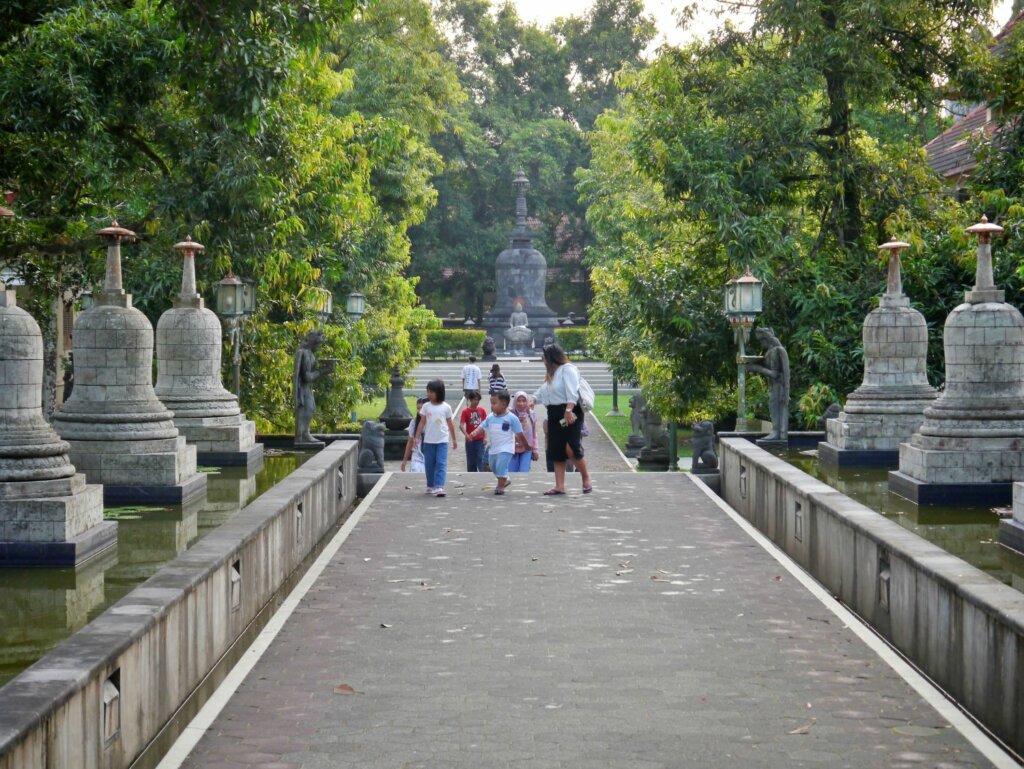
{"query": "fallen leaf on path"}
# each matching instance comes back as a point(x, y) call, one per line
point(806, 728)
point(535, 558)
point(623, 571)
point(625, 564)
point(662, 571)
point(778, 578)
point(344, 689)
point(384, 625)
point(656, 578)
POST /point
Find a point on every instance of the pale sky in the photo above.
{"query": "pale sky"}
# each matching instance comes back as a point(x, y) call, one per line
point(664, 12)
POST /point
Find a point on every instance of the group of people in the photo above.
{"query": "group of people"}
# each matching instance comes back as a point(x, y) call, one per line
point(505, 440)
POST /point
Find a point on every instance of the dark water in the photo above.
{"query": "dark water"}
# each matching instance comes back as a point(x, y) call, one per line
point(41, 607)
point(971, 533)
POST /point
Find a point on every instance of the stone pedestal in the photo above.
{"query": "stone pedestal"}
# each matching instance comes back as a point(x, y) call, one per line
point(120, 434)
point(49, 516)
point(1011, 531)
point(889, 404)
point(970, 447)
point(188, 352)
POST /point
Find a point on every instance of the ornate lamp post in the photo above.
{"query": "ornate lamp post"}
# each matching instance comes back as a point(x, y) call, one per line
point(743, 303)
point(236, 298)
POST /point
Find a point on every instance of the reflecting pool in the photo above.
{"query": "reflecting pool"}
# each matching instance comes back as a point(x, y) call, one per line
point(41, 607)
point(971, 533)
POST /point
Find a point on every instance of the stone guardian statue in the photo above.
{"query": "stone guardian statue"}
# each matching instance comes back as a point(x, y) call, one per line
point(774, 366)
point(306, 373)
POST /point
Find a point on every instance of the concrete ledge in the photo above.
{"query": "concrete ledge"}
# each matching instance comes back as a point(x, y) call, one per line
point(73, 552)
point(135, 664)
point(837, 457)
point(963, 628)
point(250, 458)
point(180, 494)
point(967, 494)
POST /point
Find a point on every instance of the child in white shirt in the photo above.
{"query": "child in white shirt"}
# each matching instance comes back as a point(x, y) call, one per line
point(501, 427)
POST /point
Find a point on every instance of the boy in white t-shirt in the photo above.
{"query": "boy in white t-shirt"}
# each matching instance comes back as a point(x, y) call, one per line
point(501, 427)
point(471, 376)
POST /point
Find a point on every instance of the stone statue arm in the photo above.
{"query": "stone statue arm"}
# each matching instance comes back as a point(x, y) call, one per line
point(756, 368)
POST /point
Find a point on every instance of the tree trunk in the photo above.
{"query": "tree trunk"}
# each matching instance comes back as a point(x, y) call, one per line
point(50, 329)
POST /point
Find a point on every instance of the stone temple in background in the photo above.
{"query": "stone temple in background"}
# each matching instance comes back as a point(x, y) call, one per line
point(521, 274)
point(49, 516)
point(121, 435)
point(889, 404)
point(188, 353)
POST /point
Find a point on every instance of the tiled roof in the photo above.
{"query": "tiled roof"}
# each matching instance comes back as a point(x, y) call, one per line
point(949, 153)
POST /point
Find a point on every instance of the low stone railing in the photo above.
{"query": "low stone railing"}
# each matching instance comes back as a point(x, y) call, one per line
point(101, 696)
point(961, 627)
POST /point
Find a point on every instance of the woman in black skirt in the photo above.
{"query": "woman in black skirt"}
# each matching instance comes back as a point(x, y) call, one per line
point(561, 394)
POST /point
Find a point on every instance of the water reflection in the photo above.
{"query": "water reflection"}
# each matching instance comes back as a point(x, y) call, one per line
point(971, 533)
point(41, 607)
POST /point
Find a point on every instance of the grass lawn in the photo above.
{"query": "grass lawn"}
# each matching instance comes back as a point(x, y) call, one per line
point(372, 409)
point(619, 427)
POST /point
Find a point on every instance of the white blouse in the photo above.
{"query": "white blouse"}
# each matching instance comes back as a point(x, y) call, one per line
point(564, 387)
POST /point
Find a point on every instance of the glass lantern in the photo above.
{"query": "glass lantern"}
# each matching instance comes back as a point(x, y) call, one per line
point(743, 298)
point(321, 301)
point(230, 296)
point(355, 305)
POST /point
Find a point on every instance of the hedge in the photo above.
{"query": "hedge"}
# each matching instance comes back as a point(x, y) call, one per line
point(573, 339)
point(443, 341)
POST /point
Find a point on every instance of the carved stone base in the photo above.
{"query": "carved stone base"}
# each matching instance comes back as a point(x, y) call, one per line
point(836, 457)
point(61, 524)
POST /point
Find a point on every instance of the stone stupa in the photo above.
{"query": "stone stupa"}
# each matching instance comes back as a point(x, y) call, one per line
point(521, 274)
point(49, 515)
point(970, 447)
point(121, 435)
point(889, 404)
point(188, 353)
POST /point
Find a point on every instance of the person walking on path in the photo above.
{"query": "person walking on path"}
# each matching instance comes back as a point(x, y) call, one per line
point(471, 418)
point(501, 427)
point(413, 456)
point(560, 393)
point(471, 376)
point(526, 447)
point(437, 428)
point(496, 381)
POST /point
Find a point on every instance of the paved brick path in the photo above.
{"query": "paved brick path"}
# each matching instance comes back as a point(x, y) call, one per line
point(636, 627)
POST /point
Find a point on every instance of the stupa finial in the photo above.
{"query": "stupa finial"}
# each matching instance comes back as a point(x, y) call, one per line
point(521, 235)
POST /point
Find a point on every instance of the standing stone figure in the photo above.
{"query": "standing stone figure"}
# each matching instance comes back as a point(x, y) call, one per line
point(306, 372)
point(774, 366)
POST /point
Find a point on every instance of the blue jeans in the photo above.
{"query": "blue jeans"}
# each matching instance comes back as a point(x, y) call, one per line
point(521, 462)
point(499, 463)
point(435, 464)
point(474, 456)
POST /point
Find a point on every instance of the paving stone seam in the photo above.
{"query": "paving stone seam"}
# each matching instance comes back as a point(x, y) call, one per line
point(204, 719)
point(937, 699)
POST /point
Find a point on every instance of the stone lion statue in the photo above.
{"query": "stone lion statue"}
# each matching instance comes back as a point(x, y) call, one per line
point(371, 447)
point(704, 457)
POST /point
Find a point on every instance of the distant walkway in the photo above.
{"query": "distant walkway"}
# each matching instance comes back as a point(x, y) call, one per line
point(638, 627)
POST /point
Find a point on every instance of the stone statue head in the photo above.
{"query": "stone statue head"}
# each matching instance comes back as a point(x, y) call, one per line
point(519, 307)
point(766, 337)
point(313, 339)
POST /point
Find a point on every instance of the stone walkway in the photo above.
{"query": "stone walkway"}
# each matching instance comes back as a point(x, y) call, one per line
point(635, 627)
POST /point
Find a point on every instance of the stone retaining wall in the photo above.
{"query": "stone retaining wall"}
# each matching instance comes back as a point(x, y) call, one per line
point(960, 626)
point(99, 697)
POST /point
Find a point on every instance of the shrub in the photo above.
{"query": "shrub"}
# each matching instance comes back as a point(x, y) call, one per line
point(813, 403)
point(441, 341)
point(573, 339)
